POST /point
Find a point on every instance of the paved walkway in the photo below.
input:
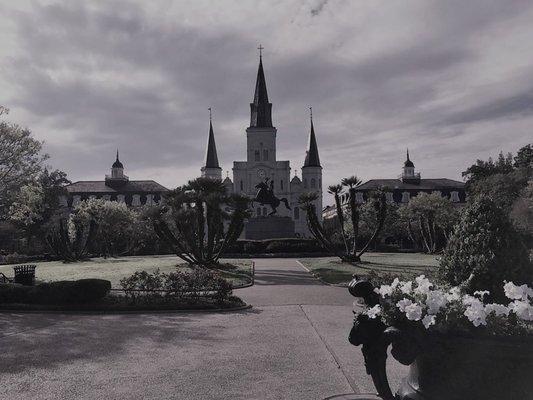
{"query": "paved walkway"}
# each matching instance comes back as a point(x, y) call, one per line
point(291, 345)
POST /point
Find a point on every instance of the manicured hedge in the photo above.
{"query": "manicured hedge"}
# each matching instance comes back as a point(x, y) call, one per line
point(290, 245)
point(61, 292)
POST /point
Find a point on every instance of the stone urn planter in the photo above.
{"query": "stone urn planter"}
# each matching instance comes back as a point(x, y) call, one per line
point(443, 367)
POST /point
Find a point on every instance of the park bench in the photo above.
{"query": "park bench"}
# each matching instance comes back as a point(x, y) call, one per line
point(25, 274)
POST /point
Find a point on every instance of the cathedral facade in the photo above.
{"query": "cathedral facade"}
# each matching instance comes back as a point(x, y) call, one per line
point(261, 165)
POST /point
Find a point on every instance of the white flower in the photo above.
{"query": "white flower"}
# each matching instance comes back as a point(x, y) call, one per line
point(384, 290)
point(453, 294)
point(374, 311)
point(403, 303)
point(435, 300)
point(522, 309)
point(428, 320)
point(497, 309)
point(423, 285)
point(475, 310)
point(515, 292)
point(406, 287)
point(481, 293)
point(413, 312)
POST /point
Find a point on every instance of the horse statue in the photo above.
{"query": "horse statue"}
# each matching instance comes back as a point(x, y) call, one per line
point(265, 195)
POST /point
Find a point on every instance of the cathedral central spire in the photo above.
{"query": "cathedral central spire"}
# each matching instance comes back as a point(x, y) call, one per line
point(311, 158)
point(260, 109)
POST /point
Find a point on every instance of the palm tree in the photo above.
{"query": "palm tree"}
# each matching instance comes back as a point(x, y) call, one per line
point(200, 220)
point(350, 253)
point(336, 191)
point(352, 182)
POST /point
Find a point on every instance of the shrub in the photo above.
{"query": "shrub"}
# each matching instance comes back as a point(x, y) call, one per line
point(176, 287)
point(253, 247)
point(60, 292)
point(11, 293)
point(485, 250)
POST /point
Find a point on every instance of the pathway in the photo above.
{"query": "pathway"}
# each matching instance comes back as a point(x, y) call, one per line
point(291, 345)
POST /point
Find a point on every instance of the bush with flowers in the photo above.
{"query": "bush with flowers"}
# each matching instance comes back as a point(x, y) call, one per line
point(420, 304)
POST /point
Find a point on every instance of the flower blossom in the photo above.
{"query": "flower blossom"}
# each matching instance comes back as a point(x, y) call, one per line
point(406, 287)
point(435, 300)
point(403, 303)
point(413, 312)
point(515, 292)
point(374, 311)
point(481, 293)
point(428, 320)
point(522, 309)
point(384, 290)
point(423, 283)
point(475, 310)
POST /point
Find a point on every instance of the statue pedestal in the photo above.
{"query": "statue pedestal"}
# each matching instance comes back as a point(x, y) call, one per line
point(258, 228)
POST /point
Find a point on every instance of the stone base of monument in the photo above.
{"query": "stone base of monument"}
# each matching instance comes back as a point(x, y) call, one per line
point(258, 228)
point(354, 397)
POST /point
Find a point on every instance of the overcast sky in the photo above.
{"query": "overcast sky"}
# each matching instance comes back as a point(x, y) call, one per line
point(451, 80)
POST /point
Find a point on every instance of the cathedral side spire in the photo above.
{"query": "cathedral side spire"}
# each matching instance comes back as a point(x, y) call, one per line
point(312, 159)
point(260, 109)
point(211, 168)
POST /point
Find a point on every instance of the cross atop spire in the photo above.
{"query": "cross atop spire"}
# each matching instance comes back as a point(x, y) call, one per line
point(210, 116)
point(260, 48)
point(311, 114)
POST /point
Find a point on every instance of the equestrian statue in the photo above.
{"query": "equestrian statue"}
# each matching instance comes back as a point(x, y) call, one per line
point(265, 195)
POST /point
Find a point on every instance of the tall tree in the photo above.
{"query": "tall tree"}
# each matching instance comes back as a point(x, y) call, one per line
point(429, 217)
point(37, 203)
point(20, 162)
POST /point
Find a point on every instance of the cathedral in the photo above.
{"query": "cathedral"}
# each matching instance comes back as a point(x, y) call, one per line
point(261, 167)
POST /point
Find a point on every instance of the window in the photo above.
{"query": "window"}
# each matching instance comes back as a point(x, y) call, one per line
point(388, 197)
point(257, 155)
point(296, 212)
point(313, 183)
point(359, 197)
point(242, 186)
point(454, 196)
point(265, 155)
point(259, 212)
point(264, 211)
point(405, 197)
point(281, 184)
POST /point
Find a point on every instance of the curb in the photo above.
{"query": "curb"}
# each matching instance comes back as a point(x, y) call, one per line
point(114, 312)
point(319, 278)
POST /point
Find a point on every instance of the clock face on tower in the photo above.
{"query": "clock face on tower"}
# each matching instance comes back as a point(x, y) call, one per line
point(261, 173)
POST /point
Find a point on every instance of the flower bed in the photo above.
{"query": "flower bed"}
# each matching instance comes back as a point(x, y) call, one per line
point(422, 304)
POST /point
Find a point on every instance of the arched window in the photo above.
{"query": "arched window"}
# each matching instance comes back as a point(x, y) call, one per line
point(242, 186)
point(257, 155)
point(313, 183)
point(265, 155)
point(281, 184)
point(296, 212)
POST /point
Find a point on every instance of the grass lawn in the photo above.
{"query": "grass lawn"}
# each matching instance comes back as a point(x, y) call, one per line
point(332, 270)
point(114, 269)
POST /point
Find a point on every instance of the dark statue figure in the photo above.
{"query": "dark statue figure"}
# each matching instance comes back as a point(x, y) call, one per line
point(265, 195)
